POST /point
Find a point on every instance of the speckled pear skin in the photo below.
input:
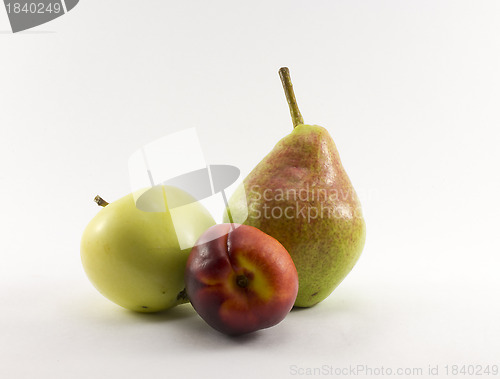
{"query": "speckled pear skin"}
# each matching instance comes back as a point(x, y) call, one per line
point(303, 173)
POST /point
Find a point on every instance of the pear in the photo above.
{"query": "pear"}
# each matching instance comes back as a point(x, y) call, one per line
point(301, 195)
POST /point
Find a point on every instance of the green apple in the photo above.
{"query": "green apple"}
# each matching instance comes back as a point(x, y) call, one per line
point(131, 250)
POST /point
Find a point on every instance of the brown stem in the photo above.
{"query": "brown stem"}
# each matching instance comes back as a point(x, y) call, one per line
point(100, 201)
point(290, 96)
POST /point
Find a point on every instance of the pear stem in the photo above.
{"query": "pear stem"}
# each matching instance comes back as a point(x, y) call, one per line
point(100, 201)
point(290, 96)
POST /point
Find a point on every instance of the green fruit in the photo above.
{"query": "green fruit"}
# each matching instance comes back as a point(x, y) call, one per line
point(301, 195)
point(133, 257)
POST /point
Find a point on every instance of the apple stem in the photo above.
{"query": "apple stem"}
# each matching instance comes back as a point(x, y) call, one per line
point(100, 201)
point(297, 119)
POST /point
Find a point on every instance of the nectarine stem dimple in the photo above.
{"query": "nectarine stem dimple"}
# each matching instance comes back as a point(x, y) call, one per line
point(242, 281)
point(100, 201)
point(290, 96)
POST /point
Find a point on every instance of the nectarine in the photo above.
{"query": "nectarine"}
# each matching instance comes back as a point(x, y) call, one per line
point(239, 279)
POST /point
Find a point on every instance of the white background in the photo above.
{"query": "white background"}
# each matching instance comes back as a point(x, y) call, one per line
point(410, 92)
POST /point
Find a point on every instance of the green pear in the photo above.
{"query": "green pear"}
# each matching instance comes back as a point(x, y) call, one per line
point(301, 195)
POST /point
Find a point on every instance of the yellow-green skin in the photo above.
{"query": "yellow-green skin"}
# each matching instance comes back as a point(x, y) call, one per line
point(133, 257)
point(325, 248)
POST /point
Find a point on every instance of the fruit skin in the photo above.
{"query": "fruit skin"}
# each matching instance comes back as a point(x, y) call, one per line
point(324, 248)
point(225, 257)
point(133, 257)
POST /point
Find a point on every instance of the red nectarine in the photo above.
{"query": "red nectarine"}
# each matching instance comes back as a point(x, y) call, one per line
point(240, 279)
